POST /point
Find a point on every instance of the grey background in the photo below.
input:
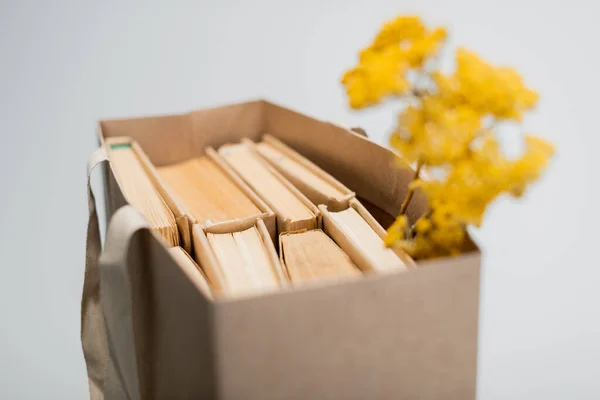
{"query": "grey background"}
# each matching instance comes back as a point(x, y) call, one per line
point(64, 65)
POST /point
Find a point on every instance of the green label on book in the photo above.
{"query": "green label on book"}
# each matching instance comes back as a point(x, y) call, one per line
point(120, 146)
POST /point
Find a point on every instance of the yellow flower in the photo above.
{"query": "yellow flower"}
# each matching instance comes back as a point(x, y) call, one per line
point(423, 48)
point(397, 231)
point(402, 44)
point(441, 130)
point(476, 180)
point(530, 166)
point(423, 225)
point(397, 31)
point(499, 92)
point(434, 134)
point(447, 237)
point(379, 74)
point(435, 235)
point(469, 186)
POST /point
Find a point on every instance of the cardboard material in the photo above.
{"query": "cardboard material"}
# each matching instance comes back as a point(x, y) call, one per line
point(189, 266)
point(406, 335)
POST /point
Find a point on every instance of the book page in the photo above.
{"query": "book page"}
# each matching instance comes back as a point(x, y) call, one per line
point(141, 193)
point(243, 259)
point(206, 191)
point(367, 241)
point(297, 171)
point(313, 255)
point(272, 190)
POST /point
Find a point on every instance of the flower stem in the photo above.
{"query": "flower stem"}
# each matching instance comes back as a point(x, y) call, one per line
point(411, 191)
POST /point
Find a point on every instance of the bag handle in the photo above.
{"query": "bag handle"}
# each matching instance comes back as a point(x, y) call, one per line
point(106, 311)
point(93, 336)
point(116, 299)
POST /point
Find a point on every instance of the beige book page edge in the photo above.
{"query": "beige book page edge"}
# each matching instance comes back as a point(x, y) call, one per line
point(235, 225)
point(334, 231)
point(237, 180)
point(279, 222)
point(171, 201)
point(315, 282)
point(314, 168)
point(372, 222)
point(280, 244)
point(283, 225)
point(181, 217)
point(182, 225)
point(290, 225)
point(206, 258)
point(268, 214)
point(313, 194)
point(272, 253)
point(311, 207)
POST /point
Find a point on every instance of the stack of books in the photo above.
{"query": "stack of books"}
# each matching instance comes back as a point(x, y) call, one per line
point(261, 216)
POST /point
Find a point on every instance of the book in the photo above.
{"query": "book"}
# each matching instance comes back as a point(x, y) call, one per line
point(246, 262)
point(206, 192)
point(364, 245)
point(293, 210)
point(140, 192)
point(189, 266)
point(312, 181)
point(312, 255)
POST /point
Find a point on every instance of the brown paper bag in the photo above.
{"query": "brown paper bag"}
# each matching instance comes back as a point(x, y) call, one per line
point(148, 332)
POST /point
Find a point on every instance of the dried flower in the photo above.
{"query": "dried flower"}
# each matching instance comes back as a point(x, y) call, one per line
point(398, 31)
point(425, 47)
point(499, 92)
point(379, 74)
point(434, 134)
point(443, 127)
point(402, 44)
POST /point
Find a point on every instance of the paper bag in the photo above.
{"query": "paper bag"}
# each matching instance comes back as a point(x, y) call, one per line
point(148, 332)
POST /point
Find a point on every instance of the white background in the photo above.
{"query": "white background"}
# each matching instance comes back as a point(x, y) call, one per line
point(64, 65)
